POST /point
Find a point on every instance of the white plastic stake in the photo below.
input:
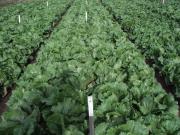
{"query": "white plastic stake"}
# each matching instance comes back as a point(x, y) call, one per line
point(47, 3)
point(90, 105)
point(19, 18)
point(163, 1)
point(91, 115)
point(86, 16)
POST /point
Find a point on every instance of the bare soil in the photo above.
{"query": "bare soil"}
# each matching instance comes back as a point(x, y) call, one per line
point(7, 2)
point(3, 105)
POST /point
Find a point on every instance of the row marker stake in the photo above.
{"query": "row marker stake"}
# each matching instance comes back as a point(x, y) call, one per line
point(19, 18)
point(86, 16)
point(91, 115)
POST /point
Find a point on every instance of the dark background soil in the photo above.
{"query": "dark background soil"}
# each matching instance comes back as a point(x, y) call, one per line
point(6, 2)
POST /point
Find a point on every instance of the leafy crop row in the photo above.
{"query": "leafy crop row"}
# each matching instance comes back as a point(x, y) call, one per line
point(170, 9)
point(93, 58)
point(153, 33)
point(18, 41)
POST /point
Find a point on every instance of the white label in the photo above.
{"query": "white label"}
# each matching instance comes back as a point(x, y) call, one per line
point(19, 18)
point(86, 16)
point(90, 106)
point(163, 1)
point(47, 3)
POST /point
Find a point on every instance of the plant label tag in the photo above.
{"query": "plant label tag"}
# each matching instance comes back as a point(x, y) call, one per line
point(91, 115)
point(86, 16)
point(47, 3)
point(19, 18)
point(90, 106)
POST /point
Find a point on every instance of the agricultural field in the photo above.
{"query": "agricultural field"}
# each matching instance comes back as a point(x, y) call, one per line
point(155, 29)
point(55, 54)
point(20, 42)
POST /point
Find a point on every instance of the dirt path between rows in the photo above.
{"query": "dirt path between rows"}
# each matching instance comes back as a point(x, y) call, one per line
point(3, 105)
point(7, 2)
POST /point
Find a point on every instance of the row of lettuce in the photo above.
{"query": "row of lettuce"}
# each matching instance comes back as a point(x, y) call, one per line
point(93, 58)
point(18, 41)
point(155, 29)
point(170, 9)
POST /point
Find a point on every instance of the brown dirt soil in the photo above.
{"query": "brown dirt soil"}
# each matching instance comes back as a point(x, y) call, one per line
point(7, 2)
point(3, 105)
